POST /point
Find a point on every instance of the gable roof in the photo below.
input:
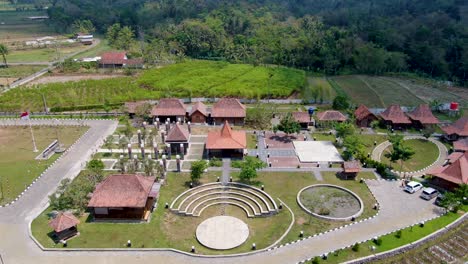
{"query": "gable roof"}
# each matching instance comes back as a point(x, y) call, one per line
point(169, 107)
point(351, 166)
point(423, 114)
point(131, 107)
point(395, 115)
point(63, 221)
point(122, 190)
point(362, 112)
point(113, 57)
point(301, 117)
point(228, 107)
point(455, 170)
point(331, 115)
point(178, 133)
point(226, 138)
point(460, 127)
point(461, 144)
point(200, 107)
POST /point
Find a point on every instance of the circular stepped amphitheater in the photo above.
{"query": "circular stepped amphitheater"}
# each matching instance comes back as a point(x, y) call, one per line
point(253, 201)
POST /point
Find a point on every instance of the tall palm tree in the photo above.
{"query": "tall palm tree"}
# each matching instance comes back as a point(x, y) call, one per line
point(4, 52)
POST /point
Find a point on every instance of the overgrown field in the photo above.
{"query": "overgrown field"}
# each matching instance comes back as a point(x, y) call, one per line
point(19, 71)
point(17, 27)
point(318, 89)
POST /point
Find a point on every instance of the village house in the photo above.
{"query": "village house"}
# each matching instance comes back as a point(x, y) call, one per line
point(303, 118)
point(364, 117)
point(132, 107)
point(228, 109)
point(169, 109)
point(422, 117)
point(226, 142)
point(453, 173)
point(123, 197)
point(64, 225)
point(198, 113)
point(119, 59)
point(351, 169)
point(457, 130)
point(178, 134)
point(329, 117)
point(461, 145)
point(394, 117)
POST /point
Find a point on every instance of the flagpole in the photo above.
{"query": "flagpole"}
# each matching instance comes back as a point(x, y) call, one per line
point(32, 135)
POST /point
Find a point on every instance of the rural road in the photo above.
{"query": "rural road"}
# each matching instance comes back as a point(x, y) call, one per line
point(17, 247)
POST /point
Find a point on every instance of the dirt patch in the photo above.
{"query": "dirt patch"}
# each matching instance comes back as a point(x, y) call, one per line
point(330, 201)
point(7, 81)
point(301, 221)
point(71, 78)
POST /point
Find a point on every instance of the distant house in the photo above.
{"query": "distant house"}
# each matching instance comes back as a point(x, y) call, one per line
point(461, 145)
point(329, 117)
point(85, 39)
point(115, 59)
point(122, 197)
point(226, 142)
point(422, 116)
point(457, 130)
point(131, 107)
point(395, 117)
point(198, 113)
point(177, 135)
point(64, 225)
point(364, 117)
point(453, 173)
point(351, 169)
point(228, 109)
point(171, 109)
point(303, 118)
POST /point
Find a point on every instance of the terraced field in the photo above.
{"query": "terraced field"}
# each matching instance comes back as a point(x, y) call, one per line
point(358, 91)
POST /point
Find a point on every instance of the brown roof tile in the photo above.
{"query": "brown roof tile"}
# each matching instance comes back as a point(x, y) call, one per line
point(178, 133)
point(169, 107)
point(122, 190)
point(362, 112)
point(461, 144)
point(113, 57)
point(301, 117)
point(351, 166)
point(460, 127)
point(423, 114)
point(331, 115)
point(395, 115)
point(226, 138)
point(200, 107)
point(228, 107)
point(63, 221)
point(456, 170)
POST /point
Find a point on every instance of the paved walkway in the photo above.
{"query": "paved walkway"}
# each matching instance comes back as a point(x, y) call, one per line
point(226, 171)
point(443, 153)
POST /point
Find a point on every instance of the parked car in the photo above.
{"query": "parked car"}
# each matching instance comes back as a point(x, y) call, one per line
point(429, 193)
point(413, 187)
point(439, 199)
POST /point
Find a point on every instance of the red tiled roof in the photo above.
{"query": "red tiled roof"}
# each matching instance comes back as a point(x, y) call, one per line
point(460, 127)
point(114, 57)
point(301, 117)
point(122, 190)
point(456, 170)
point(362, 112)
point(461, 144)
point(226, 139)
point(137, 61)
point(169, 107)
point(395, 115)
point(423, 114)
point(63, 221)
point(131, 107)
point(200, 107)
point(178, 133)
point(351, 166)
point(228, 107)
point(331, 115)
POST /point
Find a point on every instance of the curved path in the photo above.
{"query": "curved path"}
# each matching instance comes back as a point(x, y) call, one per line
point(443, 153)
point(17, 247)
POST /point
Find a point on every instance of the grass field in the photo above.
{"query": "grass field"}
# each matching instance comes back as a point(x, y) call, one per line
point(103, 46)
point(19, 168)
point(17, 26)
point(358, 91)
point(425, 154)
point(319, 89)
point(391, 92)
point(41, 54)
point(19, 71)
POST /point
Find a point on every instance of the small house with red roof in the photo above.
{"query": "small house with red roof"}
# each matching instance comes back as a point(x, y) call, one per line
point(228, 109)
point(177, 135)
point(64, 225)
point(364, 117)
point(395, 117)
point(118, 59)
point(351, 169)
point(169, 109)
point(422, 116)
point(453, 173)
point(198, 113)
point(123, 197)
point(226, 142)
point(461, 145)
point(329, 117)
point(457, 130)
point(303, 118)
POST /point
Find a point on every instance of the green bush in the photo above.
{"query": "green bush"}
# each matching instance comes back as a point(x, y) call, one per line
point(215, 162)
point(398, 234)
point(378, 241)
point(316, 260)
point(355, 247)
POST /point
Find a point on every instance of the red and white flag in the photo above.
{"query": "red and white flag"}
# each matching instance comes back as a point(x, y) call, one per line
point(24, 116)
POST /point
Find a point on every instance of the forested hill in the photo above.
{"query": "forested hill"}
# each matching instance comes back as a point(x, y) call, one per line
point(334, 36)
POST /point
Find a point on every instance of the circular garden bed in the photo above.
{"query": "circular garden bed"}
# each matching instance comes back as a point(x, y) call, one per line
point(330, 202)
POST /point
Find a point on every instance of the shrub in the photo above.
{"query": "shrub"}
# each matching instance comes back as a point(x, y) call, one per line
point(316, 260)
point(398, 234)
point(355, 247)
point(378, 241)
point(215, 162)
point(323, 211)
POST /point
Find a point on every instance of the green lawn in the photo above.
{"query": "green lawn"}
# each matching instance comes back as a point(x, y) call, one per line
point(41, 54)
point(97, 50)
point(425, 154)
point(369, 140)
point(19, 168)
point(251, 141)
point(324, 137)
point(19, 71)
